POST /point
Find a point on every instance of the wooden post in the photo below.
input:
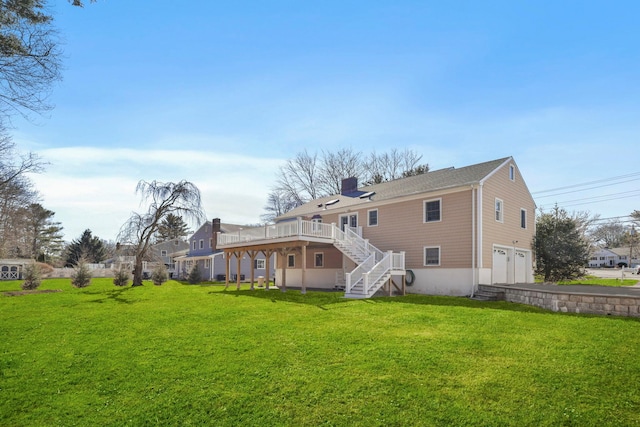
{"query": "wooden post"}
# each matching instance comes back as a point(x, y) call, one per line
point(239, 260)
point(267, 255)
point(304, 268)
point(252, 256)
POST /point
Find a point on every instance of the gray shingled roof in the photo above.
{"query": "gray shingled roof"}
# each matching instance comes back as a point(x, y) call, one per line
point(431, 181)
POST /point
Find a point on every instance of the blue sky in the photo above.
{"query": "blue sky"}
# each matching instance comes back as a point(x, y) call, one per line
point(222, 94)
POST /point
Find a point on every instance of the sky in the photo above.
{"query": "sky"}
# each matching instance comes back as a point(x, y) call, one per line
point(223, 93)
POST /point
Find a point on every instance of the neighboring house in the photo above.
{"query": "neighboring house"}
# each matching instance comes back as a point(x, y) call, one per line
point(444, 232)
point(165, 252)
point(613, 257)
point(212, 262)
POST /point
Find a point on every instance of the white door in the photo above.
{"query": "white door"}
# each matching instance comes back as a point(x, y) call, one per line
point(500, 264)
point(521, 267)
point(348, 221)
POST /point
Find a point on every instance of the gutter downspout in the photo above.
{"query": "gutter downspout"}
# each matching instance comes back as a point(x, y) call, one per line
point(473, 243)
point(479, 229)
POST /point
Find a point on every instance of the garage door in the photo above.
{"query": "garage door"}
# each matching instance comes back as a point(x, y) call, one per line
point(500, 264)
point(521, 267)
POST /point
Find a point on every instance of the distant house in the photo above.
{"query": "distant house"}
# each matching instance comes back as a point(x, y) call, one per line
point(213, 263)
point(442, 232)
point(166, 251)
point(613, 257)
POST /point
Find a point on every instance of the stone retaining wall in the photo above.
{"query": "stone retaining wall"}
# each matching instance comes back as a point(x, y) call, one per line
point(565, 302)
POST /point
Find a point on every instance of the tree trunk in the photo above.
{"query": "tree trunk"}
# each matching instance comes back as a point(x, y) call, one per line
point(137, 273)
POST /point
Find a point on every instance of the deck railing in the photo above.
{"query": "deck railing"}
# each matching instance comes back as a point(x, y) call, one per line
point(295, 228)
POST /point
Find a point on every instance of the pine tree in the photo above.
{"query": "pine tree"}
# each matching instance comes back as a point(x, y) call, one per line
point(89, 248)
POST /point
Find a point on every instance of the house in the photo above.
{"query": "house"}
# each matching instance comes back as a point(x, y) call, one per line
point(166, 251)
point(443, 232)
point(613, 257)
point(212, 261)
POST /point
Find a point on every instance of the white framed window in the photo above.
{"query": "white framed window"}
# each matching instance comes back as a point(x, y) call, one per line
point(523, 218)
point(207, 263)
point(512, 172)
point(259, 264)
point(163, 253)
point(291, 260)
point(372, 218)
point(318, 259)
point(211, 243)
point(201, 243)
point(315, 225)
point(499, 210)
point(194, 245)
point(433, 210)
point(431, 256)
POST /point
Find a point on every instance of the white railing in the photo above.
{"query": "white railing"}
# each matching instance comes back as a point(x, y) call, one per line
point(357, 274)
point(277, 231)
point(373, 265)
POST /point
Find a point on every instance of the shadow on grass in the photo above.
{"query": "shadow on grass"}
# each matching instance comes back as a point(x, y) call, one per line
point(116, 295)
point(319, 299)
point(323, 299)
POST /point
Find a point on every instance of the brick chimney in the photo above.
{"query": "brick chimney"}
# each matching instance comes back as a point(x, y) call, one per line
point(349, 185)
point(215, 229)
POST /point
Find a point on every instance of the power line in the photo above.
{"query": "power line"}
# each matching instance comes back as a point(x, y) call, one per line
point(585, 189)
point(615, 178)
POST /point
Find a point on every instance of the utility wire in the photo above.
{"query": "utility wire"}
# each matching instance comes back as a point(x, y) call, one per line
point(616, 178)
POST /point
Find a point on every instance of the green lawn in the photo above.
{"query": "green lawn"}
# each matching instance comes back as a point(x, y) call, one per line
point(597, 281)
point(192, 355)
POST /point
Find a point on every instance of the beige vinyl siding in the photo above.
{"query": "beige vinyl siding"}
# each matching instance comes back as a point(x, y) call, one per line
point(515, 196)
point(332, 256)
point(401, 227)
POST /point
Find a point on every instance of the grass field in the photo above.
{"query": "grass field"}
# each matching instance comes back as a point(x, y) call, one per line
point(198, 355)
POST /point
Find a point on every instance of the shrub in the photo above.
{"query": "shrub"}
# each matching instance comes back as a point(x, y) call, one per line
point(32, 277)
point(81, 276)
point(159, 275)
point(45, 269)
point(122, 277)
point(194, 275)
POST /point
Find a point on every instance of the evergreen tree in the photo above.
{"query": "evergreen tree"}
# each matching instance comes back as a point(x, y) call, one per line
point(88, 247)
point(172, 227)
point(44, 233)
point(561, 250)
point(159, 275)
point(195, 276)
point(81, 277)
point(32, 277)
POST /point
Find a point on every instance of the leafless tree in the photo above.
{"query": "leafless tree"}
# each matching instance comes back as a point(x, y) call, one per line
point(336, 166)
point(182, 199)
point(309, 176)
point(299, 177)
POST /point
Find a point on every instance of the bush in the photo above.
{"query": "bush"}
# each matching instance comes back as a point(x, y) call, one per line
point(122, 277)
point(194, 275)
point(159, 275)
point(45, 269)
point(32, 277)
point(81, 277)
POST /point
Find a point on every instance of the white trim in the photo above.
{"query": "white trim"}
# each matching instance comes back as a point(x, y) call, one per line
point(523, 210)
point(424, 210)
point(512, 172)
point(291, 256)
point(500, 211)
point(424, 256)
point(369, 217)
point(315, 264)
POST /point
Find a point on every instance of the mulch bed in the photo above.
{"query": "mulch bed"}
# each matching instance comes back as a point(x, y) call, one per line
point(35, 291)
